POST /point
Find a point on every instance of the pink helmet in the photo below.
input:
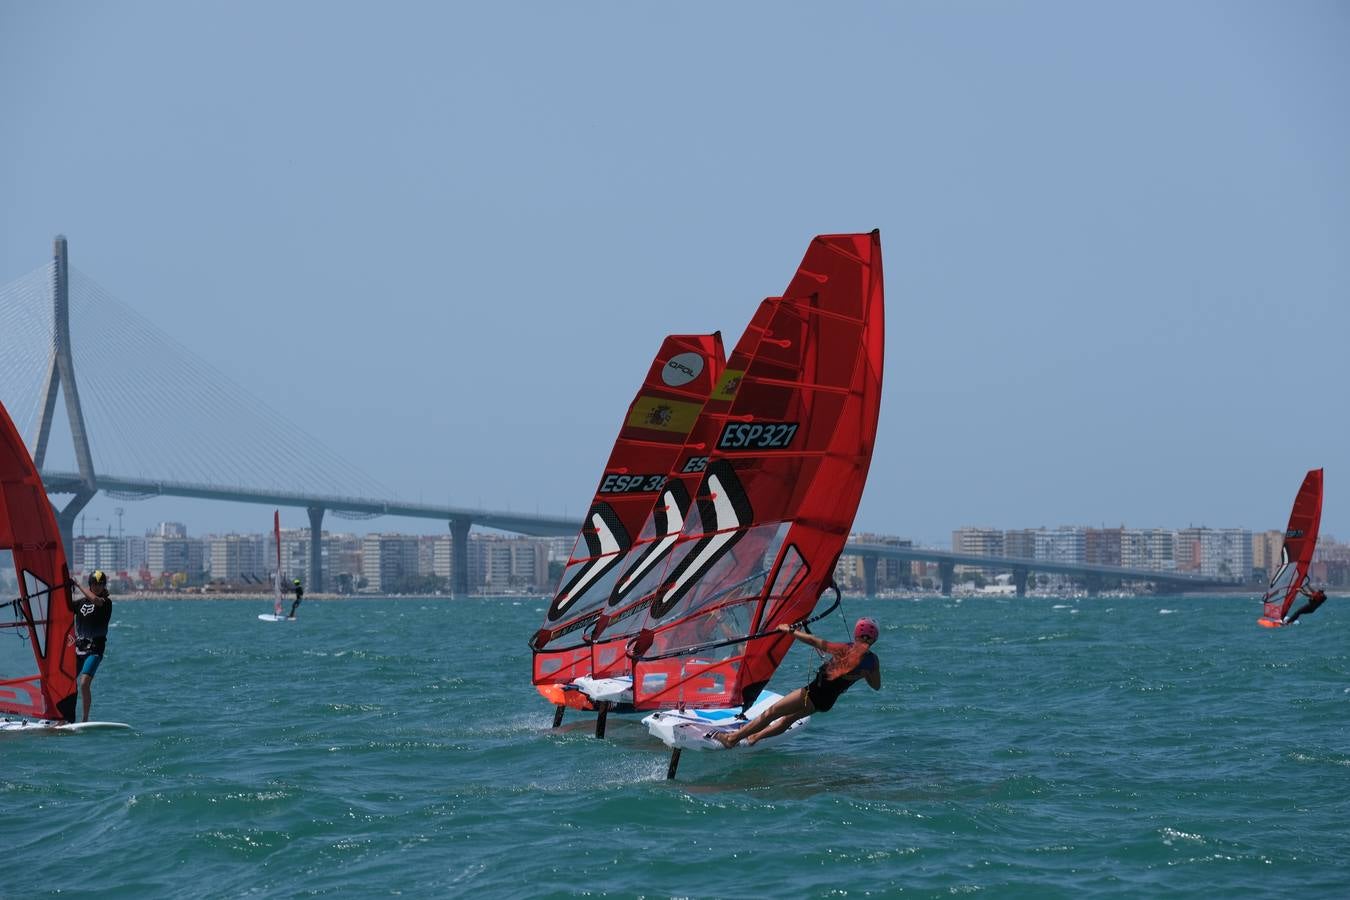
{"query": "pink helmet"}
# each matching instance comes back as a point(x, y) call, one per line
point(866, 628)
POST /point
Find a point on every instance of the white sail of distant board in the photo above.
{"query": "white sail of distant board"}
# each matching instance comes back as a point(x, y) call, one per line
point(275, 615)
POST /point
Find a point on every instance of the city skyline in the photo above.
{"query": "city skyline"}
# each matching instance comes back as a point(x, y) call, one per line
point(375, 560)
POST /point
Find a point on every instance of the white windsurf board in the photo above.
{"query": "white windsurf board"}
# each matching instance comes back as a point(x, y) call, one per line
point(690, 729)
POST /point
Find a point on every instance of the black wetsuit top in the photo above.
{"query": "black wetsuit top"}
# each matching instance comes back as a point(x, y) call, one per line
point(91, 625)
point(824, 690)
point(1316, 600)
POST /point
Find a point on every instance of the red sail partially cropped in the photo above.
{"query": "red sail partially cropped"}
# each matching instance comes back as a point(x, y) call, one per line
point(786, 471)
point(1300, 541)
point(654, 430)
point(37, 628)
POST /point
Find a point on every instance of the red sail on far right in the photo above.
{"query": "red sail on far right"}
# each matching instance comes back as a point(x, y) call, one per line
point(1300, 540)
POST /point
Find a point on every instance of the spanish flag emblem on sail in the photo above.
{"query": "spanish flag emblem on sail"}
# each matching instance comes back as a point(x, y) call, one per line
point(727, 384)
point(660, 414)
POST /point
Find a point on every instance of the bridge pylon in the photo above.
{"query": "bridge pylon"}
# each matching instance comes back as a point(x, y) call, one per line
point(946, 571)
point(315, 548)
point(61, 377)
point(459, 558)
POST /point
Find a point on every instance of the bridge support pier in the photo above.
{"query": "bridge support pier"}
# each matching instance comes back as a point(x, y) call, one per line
point(945, 571)
point(315, 548)
point(1019, 577)
point(1094, 584)
point(870, 575)
point(459, 558)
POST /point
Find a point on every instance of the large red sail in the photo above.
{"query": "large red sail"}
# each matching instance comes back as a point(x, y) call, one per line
point(1300, 541)
point(37, 638)
point(648, 558)
point(787, 466)
point(654, 430)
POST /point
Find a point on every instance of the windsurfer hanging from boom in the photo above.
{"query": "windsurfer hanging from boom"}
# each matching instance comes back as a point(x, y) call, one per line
point(299, 592)
point(848, 663)
point(1315, 599)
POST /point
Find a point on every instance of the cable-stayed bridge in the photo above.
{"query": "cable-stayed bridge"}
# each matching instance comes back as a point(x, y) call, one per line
point(147, 417)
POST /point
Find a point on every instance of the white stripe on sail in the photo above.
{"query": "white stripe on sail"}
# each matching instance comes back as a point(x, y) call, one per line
point(609, 545)
point(726, 524)
point(674, 524)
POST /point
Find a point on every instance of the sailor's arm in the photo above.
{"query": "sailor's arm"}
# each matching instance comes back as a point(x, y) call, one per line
point(873, 677)
point(803, 636)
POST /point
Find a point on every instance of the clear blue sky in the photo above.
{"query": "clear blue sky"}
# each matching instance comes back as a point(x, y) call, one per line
point(1116, 236)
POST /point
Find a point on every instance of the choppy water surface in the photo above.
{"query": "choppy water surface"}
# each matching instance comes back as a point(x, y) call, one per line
point(1111, 747)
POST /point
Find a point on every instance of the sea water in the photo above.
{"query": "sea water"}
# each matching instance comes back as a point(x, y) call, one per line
point(1140, 747)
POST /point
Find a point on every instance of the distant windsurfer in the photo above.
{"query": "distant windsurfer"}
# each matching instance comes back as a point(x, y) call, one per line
point(92, 615)
point(1315, 599)
point(848, 663)
point(299, 592)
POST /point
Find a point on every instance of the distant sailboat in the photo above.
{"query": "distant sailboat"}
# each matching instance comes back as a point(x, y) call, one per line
point(276, 615)
point(1300, 542)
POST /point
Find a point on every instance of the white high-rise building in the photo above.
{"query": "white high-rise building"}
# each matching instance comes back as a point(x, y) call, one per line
point(1151, 549)
point(1062, 545)
point(977, 542)
point(498, 563)
point(237, 557)
point(388, 560)
point(106, 553)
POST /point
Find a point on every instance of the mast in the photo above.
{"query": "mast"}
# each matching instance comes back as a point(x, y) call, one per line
point(276, 581)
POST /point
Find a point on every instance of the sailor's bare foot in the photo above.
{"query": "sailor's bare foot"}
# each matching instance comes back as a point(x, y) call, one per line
point(724, 738)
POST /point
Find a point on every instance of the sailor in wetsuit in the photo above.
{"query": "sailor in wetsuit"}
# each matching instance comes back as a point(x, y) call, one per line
point(848, 663)
point(92, 614)
point(299, 592)
point(1315, 599)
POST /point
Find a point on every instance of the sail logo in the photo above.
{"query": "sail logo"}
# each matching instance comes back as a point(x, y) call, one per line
point(728, 384)
point(1294, 533)
point(682, 369)
point(694, 464)
point(757, 435)
point(660, 414)
point(615, 483)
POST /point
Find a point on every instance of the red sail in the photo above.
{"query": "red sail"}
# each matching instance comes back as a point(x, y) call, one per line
point(647, 561)
point(786, 470)
point(37, 663)
point(1300, 540)
point(654, 430)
